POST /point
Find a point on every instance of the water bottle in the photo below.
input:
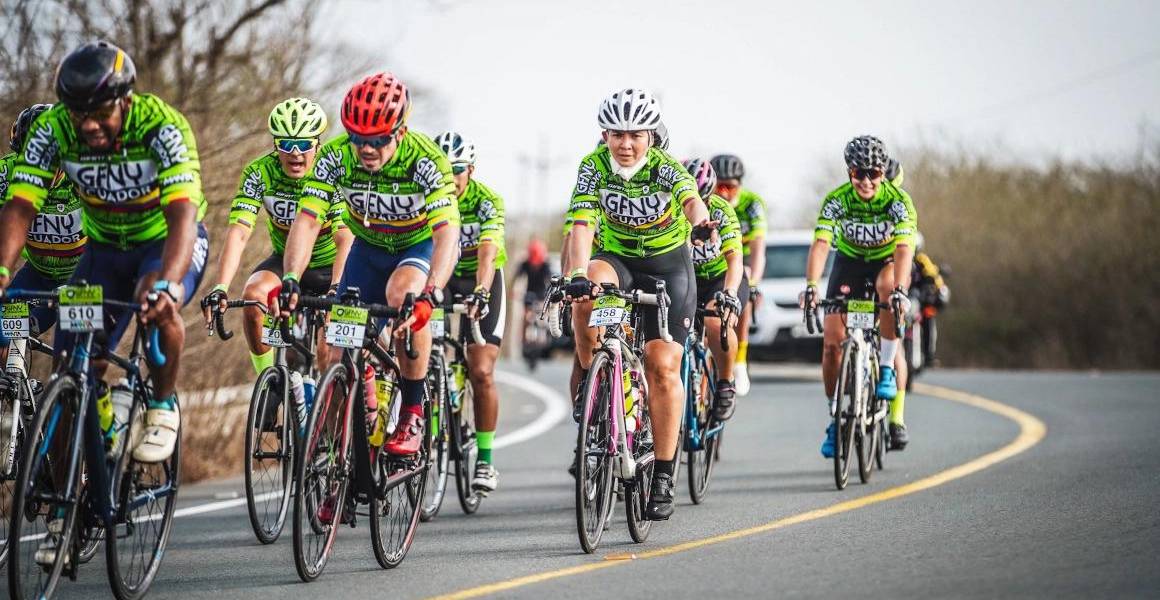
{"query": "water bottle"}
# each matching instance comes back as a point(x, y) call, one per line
point(16, 353)
point(459, 379)
point(309, 386)
point(376, 432)
point(629, 403)
point(298, 393)
point(122, 404)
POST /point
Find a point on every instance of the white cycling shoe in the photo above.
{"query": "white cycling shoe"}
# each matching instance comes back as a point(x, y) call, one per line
point(160, 436)
point(45, 554)
point(741, 378)
point(486, 478)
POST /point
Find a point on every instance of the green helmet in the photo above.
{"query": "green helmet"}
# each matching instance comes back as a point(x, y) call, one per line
point(297, 118)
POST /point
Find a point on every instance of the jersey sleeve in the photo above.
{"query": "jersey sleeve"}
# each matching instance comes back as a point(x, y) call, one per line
point(320, 190)
point(337, 212)
point(491, 220)
point(757, 224)
point(179, 167)
point(729, 230)
point(905, 219)
point(32, 172)
point(827, 227)
point(678, 182)
point(247, 202)
point(585, 205)
point(434, 174)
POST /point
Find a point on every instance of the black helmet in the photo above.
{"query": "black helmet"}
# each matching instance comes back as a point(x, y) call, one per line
point(22, 123)
point(727, 166)
point(94, 74)
point(866, 152)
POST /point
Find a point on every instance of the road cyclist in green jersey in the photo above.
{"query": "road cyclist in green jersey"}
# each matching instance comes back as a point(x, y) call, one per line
point(273, 183)
point(720, 279)
point(400, 205)
point(750, 209)
point(133, 161)
point(479, 279)
point(872, 224)
point(51, 252)
point(648, 206)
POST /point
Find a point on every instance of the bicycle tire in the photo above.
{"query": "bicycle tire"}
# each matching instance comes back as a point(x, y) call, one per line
point(320, 479)
point(843, 435)
point(464, 452)
point(867, 435)
point(269, 478)
point(401, 506)
point(439, 449)
point(636, 499)
point(700, 464)
point(133, 559)
point(11, 443)
point(594, 473)
point(27, 579)
point(91, 543)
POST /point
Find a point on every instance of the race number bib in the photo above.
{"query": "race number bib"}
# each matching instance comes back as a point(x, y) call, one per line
point(15, 322)
point(607, 310)
point(437, 323)
point(347, 327)
point(860, 314)
point(80, 308)
point(271, 335)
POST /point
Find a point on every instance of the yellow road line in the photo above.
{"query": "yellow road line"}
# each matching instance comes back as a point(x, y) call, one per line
point(1031, 431)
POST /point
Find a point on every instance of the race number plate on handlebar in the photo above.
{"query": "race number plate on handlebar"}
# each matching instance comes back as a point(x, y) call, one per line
point(436, 323)
point(347, 327)
point(271, 335)
point(607, 310)
point(80, 308)
point(15, 323)
point(860, 314)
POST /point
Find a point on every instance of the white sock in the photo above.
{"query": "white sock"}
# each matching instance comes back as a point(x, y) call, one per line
point(886, 354)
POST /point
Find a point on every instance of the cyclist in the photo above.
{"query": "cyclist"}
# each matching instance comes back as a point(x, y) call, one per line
point(400, 205)
point(133, 161)
point(479, 277)
point(274, 182)
point(646, 202)
point(872, 224)
point(750, 209)
point(720, 278)
point(54, 243)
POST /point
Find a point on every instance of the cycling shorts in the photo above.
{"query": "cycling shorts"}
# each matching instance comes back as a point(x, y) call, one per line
point(369, 267)
point(315, 282)
point(675, 268)
point(707, 288)
point(854, 278)
point(491, 326)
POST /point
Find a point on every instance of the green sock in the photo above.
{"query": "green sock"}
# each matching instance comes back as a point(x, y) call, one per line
point(896, 406)
point(262, 361)
point(483, 440)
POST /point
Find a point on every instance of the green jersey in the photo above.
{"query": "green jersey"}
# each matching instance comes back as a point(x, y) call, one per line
point(750, 210)
point(154, 165)
point(480, 220)
point(56, 238)
point(266, 186)
point(393, 208)
point(641, 217)
point(709, 260)
point(867, 229)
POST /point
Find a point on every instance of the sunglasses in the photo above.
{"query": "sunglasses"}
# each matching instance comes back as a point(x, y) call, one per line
point(374, 141)
point(728, 186)
point(289, 145)
point(860, 174)
point(100, 113)
point(458, 169)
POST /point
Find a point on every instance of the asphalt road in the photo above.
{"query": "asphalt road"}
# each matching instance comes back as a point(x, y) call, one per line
point(1075, 515)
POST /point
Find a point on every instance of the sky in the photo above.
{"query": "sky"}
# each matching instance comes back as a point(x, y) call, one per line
point(782, 84)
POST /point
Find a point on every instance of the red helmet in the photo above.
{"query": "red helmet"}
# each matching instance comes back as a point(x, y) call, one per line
point(377, 105)
point(537, 252)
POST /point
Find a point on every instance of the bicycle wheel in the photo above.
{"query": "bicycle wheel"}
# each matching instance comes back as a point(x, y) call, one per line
point(636, 498)
point(270, 436)
point(321, 474)
point(843, 422)
point(464, 451)
point(38, 500)
point(438, 450)
point(594, 464)
point(394, 515)
point(880, 445)
point(701, 460)
point(870, 434)
point(146, 496)
point(11, 442)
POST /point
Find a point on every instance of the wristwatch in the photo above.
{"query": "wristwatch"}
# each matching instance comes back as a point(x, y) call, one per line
point(162, 285)
point(435, 293)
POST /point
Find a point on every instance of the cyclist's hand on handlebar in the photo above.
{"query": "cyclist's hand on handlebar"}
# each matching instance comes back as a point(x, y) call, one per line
point(900, 297)
point(287, 298)
point(579, 289)
point(809, 297)
point(160, 306)
point(478, 303)
point(215, 300)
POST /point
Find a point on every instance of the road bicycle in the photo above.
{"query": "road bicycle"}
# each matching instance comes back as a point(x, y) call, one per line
point(701, 432)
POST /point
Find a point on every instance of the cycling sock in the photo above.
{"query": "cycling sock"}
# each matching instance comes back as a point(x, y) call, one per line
point(886, 354)
point(742, 351)
point(262, 361)
point(896, 407)
point(166, 403)
point(483, 441)
point(412, 395)
point(668, 467)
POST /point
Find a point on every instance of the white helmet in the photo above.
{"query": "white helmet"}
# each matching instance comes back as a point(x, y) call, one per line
point(459, 150)
point(630, 110)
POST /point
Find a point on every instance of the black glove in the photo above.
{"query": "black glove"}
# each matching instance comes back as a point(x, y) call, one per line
point(333, 290)
point(702, 232)
point(214, 299)
point(480, 298)
point(290, 287)
point(729, 301)
point(579, 287)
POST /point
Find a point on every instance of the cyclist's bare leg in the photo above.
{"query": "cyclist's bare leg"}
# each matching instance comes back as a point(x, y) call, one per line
point(832, 338)
point(410, 280)
point(257, 289)
point(480, 370)
point(598, 272)
point(574, 381)
point(662, 369)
